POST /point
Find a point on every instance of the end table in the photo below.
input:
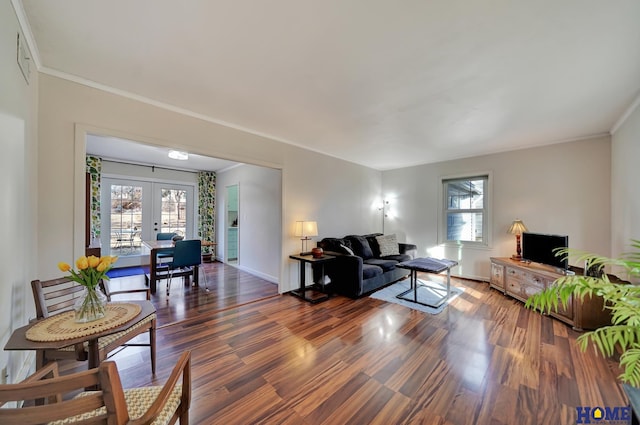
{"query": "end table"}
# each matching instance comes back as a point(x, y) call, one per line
point(315, 288)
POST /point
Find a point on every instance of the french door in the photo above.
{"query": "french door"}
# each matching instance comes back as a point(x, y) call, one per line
point(134, 211)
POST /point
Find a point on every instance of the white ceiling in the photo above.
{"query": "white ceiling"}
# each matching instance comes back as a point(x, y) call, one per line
point(128, 151)
point(386, 84)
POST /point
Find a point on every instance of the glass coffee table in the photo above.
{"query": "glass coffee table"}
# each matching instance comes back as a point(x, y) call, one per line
point(427, 265)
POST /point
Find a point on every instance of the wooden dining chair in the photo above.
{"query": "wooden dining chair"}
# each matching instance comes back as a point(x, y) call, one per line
point(49, 398)
point(58, 295)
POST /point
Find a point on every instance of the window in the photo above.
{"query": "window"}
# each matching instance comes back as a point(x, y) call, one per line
point(126, 219)
point(465, 209)
point(173, 211)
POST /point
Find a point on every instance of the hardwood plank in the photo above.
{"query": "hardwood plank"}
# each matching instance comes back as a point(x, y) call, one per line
point(394, 411)
point(329, 410)
point(498, 404)
point(464, 407)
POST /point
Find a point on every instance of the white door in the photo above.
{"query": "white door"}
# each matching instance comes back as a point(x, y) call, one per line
point(134, 211)
point(173, 209)
point(233, 214)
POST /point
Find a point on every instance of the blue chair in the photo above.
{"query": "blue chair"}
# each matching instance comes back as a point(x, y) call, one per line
point(165, 237)
point(186, 254)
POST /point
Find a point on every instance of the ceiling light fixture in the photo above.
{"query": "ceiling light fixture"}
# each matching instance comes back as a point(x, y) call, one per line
point(179, 155)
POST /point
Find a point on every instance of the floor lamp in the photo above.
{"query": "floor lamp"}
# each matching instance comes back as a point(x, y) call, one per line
point(384, 206)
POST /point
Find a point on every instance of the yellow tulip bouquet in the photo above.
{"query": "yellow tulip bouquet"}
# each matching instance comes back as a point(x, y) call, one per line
point(91, 270)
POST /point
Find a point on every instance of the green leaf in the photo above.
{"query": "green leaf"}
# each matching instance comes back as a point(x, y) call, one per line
point(622, 299)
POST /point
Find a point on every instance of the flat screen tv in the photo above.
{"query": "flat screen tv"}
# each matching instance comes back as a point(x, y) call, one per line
point(539, 248)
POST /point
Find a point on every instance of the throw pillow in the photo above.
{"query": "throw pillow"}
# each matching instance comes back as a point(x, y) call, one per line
point(360, 246)
point(388, 245)
point(331, 244)
point(373, 243)
point(347, 249)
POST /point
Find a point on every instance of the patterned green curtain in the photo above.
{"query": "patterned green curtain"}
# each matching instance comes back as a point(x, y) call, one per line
point(94, 168)
point(207, 205)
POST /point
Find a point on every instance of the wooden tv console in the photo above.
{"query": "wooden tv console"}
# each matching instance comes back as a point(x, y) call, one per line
point(520, 280)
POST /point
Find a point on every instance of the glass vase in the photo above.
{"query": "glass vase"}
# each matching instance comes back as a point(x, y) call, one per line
point(90, 305)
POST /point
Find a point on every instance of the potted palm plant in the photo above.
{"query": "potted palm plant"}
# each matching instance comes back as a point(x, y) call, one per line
point(621, 298)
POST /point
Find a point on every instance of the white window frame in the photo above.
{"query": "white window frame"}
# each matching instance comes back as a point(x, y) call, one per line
point(486, 211)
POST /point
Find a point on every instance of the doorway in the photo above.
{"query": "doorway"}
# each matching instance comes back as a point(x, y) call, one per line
point(137, 211)
point(261, 203)
point(233, 225)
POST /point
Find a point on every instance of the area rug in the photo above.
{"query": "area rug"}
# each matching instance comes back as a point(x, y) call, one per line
point(125, 271)
point(425, 294)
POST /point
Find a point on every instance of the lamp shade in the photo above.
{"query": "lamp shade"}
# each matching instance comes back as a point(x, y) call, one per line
point(517, 227)
point(306, 228)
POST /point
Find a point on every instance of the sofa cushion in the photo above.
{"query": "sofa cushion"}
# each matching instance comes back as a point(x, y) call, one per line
point(369, 271)
point(385, 265)
point(388, 245)
point(399, 258)
point(360, 246)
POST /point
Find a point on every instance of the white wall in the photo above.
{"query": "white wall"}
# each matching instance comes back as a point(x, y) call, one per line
point(314, 186)
point(18, 189)
point(558, 189)
point(625, 187)
point(337, 194)
point(260, 219)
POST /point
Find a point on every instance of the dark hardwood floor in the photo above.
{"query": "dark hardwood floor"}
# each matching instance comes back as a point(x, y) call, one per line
point(259, 357)
point(222, 287)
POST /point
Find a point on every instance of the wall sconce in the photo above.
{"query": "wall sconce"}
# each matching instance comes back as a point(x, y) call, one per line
point(517, 227)
point(305, 229)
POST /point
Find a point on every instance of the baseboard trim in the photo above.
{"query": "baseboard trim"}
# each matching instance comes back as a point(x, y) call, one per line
point(256, 273)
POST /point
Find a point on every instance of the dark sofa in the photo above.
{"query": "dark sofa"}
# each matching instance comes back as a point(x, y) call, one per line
point(361, 266)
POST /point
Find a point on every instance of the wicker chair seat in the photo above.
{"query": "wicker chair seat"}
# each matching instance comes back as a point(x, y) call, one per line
point(138, 401)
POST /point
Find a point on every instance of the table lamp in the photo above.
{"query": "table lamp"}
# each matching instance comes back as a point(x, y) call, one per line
point(305, 229)
point(517, 227)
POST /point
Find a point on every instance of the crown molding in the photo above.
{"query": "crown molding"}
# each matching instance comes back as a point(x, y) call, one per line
point(626, 114)
point(26, 32)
